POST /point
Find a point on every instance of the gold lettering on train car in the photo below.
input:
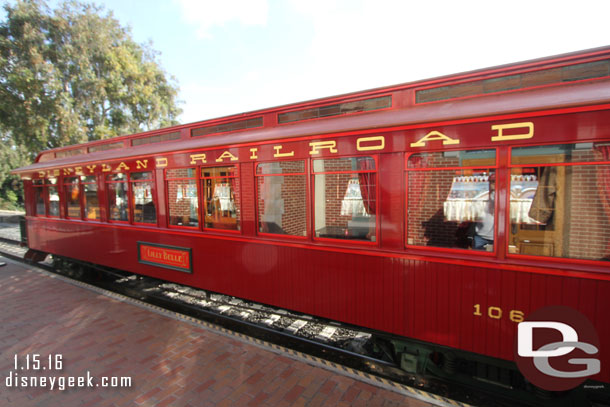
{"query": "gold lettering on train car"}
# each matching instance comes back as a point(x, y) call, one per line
point(502, 137)
point(516, 316)
point(253, 156)
point(380, 140)
point(53, 173)
point(224, 155)
point(41, 174)
point(122, 165)
point(78, 170)
point(433, 136)
point(106, 168)
point(278, 154)
point(497, 313)
point(141, 164)
point(68, 171)
point(91, 168)
point(161, 162)
point(200, 157)
point(317, 145)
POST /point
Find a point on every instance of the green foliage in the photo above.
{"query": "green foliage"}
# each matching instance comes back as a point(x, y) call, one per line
point(73, 75)
point(11, 188)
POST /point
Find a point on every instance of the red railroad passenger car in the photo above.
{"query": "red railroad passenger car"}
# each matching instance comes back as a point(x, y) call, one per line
point(441, 212)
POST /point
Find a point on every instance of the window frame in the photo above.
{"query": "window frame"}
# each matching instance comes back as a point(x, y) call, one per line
point(498, 235)
point(126, 182)
point(306, 173)
point(84, 201)
point(66, 207)
point(202, 179)
point(510, 167)
point(42, 188)
point(167, 200)
point(312, 194)
point(59, 186)
point(132, 201)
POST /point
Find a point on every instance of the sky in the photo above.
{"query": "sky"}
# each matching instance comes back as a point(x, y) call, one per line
point(234, 56)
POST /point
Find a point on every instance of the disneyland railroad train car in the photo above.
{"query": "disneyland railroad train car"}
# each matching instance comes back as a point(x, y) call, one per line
point(466, 218)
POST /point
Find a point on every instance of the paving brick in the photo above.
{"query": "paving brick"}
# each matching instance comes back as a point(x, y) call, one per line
point(317, 400)
point(170, 362)
point(93, 401)
point(255, 378)
point(328, 387)
point(351, 394)
point(287, 373)
point(144, 397)
point(167, 402)
point(294, 393)
point(258, 399)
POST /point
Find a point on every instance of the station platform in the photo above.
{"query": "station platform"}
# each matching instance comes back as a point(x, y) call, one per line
point(123, 353)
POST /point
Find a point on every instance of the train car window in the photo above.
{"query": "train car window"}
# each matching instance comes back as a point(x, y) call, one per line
point(345, 196)
point(92, 203)
point(182, 197)
point(106, 147)
point(116, 185)
point(72, 192)
point(156, 139)
point(53, 193)
point(560, 201)
point(282, 198)
point(220, 186)
point(39, 193)
point(451, 199)
point(144, 209)
point(357, 106)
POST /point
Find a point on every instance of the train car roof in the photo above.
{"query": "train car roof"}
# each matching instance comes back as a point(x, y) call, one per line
point(554, 97)
point(550, 98)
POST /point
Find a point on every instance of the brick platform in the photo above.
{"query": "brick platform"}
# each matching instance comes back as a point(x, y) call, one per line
point(170, 362)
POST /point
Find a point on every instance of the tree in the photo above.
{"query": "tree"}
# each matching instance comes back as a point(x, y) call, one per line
point(11, 187)
point(73, 75)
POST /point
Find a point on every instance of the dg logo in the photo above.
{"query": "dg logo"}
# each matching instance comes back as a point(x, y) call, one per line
point(557, 348)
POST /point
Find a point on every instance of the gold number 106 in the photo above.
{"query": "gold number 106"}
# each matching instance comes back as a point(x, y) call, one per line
point(496, 313)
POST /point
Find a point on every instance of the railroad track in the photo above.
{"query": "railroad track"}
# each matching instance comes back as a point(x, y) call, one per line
point(345, 347)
